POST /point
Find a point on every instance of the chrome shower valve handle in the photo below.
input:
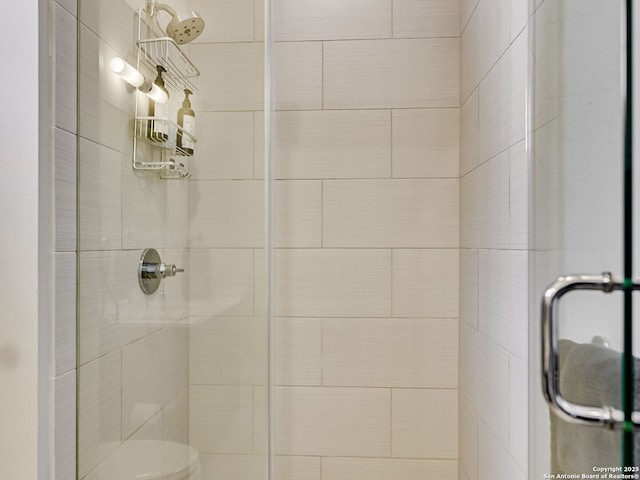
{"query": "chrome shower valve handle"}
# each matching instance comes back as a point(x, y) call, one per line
point(159, 270)
point(152, 270)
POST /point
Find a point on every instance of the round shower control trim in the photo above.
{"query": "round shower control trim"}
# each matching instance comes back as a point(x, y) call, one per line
point(152, 270)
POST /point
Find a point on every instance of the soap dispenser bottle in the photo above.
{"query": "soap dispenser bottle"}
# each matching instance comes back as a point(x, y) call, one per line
point(187, 122)
point(158, 131)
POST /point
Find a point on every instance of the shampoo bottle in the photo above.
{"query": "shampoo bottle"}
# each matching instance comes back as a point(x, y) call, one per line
point(158, 131)
point(187, 122)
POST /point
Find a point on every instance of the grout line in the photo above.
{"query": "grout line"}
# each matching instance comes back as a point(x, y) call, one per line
point(322, 352)
point(391, 422)
point(322, 75)
point(253, 139)
point(391, 314)
point(391, 19)
point(391, 145)
point(322, 214)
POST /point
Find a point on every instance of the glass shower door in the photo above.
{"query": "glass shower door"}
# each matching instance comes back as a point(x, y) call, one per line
point(581, 225)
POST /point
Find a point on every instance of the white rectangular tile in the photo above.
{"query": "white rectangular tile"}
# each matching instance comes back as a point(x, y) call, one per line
point(484, 205)
point(259, 145)
point(298, 75)
point(237, 467)
point(324, 144)
point(111, 20)
point(105, 124)
point(466, 9)
point(99, 411)
point(175, 416)
point(484, 379)
point(425, 423)
point(503, 316)
point(519, 16)
point(297, 214)
point(296, 20)
point(426, 143)
point(64, 430)
point(226, 20)
point(469, 118)
point(113, 310)
point(390, 213)
point(226, 214)
point(333, 283)
point(259, 21)
point(468, 439)
point(155, 370)
point(227, 351)
point(176, 291)
point(385, 468)
point(502, 98)
point(66, 175)
point(419, 353)
point(260, 420)
point(221, 282)
point(425, 283)
point(96, 81)
point(419, 18)
point(294, 468)
point(150, 430)
point(260, 283)
point(225, 146)
point(483, 41)
point(519, 412)
point(66, 85)
point(144, 204)
point(232, 76)
point(220, 419)
point(333, 421)
point(469, 284)
point(65, 312)
point(519, 196)
point(495, 461)
point(298, 351)
point(398, 73)
point(175, 230)
point(100, 197)
point(70, 5)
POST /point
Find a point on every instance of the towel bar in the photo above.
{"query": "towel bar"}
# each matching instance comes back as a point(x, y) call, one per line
point(606, 416)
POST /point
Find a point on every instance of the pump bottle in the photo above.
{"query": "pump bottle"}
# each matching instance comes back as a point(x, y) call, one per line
point(187, 122)
point(158, 131)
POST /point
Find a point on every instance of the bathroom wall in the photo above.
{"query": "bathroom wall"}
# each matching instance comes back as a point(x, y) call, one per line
point(493, 241)
point(367, 235)
point(19, 244)
point(133, 348)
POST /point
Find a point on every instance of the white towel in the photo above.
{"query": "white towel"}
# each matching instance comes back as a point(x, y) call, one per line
point(589, 375)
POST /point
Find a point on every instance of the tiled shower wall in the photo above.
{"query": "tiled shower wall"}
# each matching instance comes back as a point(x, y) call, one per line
point(366, 213)
point(227, 342)
point(367, 154)
point(356, 305)
point(493, 241)
point(133, 348)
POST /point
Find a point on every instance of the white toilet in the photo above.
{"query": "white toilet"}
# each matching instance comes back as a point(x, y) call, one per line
point(150, 460)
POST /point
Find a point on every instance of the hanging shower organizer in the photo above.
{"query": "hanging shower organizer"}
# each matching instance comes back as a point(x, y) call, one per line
point(180, 74)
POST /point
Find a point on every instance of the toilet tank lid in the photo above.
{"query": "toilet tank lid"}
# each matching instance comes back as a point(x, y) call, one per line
point(147, 460)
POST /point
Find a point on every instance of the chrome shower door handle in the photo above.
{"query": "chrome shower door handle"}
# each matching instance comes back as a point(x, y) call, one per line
point(606, 416)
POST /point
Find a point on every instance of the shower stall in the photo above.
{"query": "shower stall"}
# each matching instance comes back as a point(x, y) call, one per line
point(299, 268)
